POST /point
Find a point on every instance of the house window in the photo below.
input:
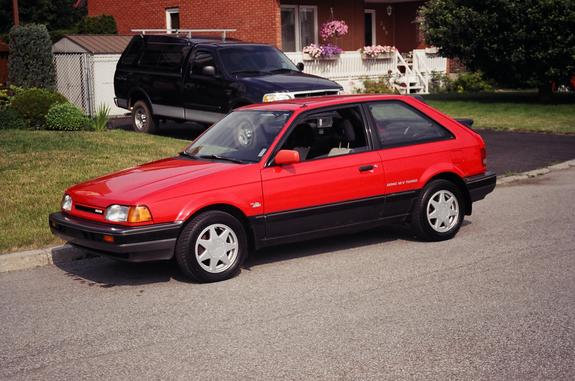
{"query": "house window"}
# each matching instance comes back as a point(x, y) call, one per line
point(370, 38)
point(299, 26)
point(172, 19)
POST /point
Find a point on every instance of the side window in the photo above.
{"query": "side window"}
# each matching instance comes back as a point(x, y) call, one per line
point(163, 56)
point(399, 124)
point(201, 60)
point(132, 52)
point(328, 134)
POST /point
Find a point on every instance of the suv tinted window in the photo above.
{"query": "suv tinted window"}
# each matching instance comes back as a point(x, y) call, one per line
point(201, 60)
point(328, 134)
point(167, 57)
point(399, 124)
point(250, 59)
point(132, 53)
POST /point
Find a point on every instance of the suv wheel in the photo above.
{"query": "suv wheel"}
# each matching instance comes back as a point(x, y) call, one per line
point(211, 247)
point(142, 118)
point(438, 213)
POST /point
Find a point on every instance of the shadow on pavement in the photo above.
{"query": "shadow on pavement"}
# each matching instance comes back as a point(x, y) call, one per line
point(184, 131)
point(108, 273)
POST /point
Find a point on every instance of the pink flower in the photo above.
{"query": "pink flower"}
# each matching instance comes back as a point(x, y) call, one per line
point(334, 28)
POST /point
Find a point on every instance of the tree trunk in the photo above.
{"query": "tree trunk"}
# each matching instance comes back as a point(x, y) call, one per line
point(546, 92)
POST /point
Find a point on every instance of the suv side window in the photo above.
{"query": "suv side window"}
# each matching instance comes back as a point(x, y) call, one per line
point(202, 59)
point(166, 57)
point(132, 53)
point(398, 124)
point(328, 134)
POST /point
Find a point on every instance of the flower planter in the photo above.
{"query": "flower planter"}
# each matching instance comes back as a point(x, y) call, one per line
point(382, 56)
point(307, 57)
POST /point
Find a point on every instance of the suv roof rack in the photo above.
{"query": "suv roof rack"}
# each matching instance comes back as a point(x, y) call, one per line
point(185, 31)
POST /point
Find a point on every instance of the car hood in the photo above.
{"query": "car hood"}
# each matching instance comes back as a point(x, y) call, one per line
point(149, 181)
point(292, 81)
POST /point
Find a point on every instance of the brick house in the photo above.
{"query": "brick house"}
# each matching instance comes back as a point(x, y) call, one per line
point(288, 24)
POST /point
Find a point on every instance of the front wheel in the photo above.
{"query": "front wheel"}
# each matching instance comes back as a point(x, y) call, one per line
point(437, 214)
point(211, 247)
point(142, 118)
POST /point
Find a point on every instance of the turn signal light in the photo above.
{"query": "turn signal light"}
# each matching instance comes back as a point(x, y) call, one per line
point(108, 238)
point(139, 214)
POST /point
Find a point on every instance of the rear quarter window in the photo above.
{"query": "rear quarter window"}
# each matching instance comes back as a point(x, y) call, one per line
point(132, 52)
point(399, 124)
point(164, 57)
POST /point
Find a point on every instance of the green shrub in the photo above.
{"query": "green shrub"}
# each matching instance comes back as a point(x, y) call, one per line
point(100, 121)
point(103, 24)
point(470, 83)
point(33, 105)
point(439, 82)
point(377, 86)
point(10, 119)
point(66, 117)
point(30, 63)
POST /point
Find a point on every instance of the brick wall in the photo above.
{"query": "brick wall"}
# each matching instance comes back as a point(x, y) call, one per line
point(256, 21)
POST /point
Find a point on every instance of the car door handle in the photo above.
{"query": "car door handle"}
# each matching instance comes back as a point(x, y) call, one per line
point(365, 168)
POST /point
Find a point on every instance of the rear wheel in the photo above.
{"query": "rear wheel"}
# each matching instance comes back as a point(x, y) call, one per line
point(438, 213)
point(211, 247)
point(142, 118)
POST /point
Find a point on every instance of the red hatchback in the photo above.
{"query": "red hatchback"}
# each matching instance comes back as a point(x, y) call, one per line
point(284, 171)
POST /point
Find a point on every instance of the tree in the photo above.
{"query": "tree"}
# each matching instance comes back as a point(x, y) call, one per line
point(30, 63)
point(515, 42)
point(55, 14)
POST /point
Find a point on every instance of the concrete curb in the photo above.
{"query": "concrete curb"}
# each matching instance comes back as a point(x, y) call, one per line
point(66, 253)
point(535, 172)
point(40, 257)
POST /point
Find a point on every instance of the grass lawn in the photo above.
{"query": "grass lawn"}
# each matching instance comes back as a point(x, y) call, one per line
point(37, 166)
point(510, 111)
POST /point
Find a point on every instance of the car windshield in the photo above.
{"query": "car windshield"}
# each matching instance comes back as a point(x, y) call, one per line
point(242, 136)
point(257, 59)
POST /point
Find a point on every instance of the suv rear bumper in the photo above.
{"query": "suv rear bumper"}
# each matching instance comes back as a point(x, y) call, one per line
point(132, 244)
point(481, 185)
point(122, 103)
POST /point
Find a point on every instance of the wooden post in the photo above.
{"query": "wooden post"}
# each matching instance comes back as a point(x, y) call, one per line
point(15, 12)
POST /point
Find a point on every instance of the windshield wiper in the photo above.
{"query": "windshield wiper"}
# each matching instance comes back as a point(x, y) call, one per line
point(250, 72)
point(283, 69)
point(218, 157)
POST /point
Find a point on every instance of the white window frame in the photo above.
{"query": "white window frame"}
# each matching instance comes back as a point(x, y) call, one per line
point(169, 13)
point(373, 26)
point(297, 9)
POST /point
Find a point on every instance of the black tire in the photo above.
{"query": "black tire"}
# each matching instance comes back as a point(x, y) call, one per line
point(422, 224)
point(187, 259)
point(142, 118)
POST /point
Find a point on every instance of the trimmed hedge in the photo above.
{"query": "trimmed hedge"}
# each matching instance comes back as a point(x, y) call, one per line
point(31, 62)
point(11, 120)
point(103, 24)
point(66, 117)
point(33, 105)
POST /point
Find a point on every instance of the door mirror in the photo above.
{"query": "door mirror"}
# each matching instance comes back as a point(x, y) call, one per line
point(300, 66)
point(286, 157)
point(210, 71)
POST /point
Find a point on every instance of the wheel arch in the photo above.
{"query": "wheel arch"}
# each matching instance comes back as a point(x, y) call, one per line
point(458, 181)
point(232, 210)
point(139, 94)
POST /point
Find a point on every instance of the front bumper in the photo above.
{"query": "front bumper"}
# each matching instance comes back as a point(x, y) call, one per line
point(132, 244)
point(481, 185)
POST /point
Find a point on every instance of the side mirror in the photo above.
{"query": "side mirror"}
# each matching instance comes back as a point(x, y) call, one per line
point(286, 157)
point(300, 66)
point(210, 71)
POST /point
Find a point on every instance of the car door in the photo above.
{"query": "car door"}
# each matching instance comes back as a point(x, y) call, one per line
point(410, 144)
point(336, 184)
point(204, 89)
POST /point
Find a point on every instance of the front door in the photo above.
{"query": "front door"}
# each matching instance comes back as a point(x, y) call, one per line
point(205, 88)
point(337, 183)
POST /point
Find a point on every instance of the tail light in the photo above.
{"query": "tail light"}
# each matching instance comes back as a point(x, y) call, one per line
point(483, 157)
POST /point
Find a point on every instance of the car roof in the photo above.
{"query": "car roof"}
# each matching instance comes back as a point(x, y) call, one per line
point(322, 101)
point(199, 39)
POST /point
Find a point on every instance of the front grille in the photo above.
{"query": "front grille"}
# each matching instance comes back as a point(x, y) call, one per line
point(317, 94)
point(89, 209)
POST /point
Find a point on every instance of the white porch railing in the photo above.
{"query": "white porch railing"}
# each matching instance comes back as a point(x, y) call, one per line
point(350, 69)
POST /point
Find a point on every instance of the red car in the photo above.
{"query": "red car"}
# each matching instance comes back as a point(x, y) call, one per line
point(280, 172)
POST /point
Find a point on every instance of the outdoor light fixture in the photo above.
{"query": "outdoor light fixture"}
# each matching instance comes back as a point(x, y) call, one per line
point(389, 10)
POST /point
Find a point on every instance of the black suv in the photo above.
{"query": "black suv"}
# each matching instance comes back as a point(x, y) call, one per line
point(202, 79)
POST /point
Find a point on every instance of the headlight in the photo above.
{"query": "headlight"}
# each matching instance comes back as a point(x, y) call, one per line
point(67, 203)
point(117, 213)
point(122, 213)
point(271, 97)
